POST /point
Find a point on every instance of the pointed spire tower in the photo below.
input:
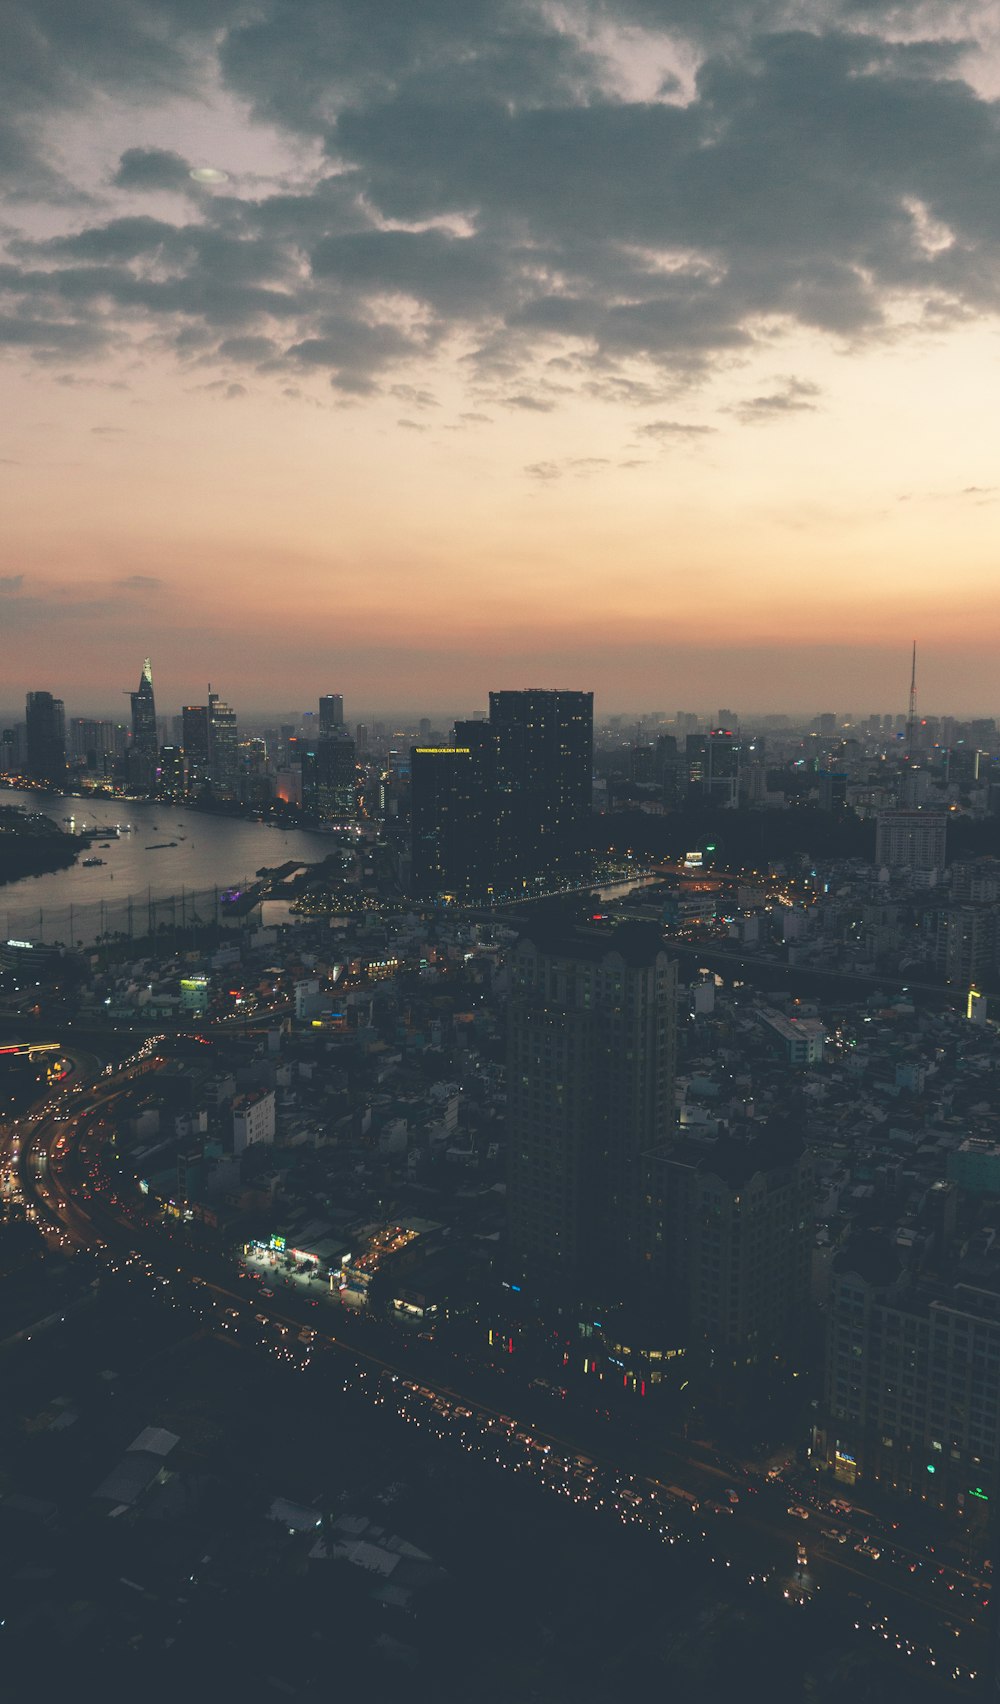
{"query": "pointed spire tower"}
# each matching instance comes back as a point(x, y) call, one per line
point(911, 720)
point(144, 712)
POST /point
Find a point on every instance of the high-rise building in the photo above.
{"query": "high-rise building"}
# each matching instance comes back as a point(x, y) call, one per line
point(590, 1090)
point(331, 713)
point(13, 750)
point(729, 1235)
point(965, 942)
point(453, 815)
point(713, 763)
point(92, 744)
point(912, 1390)
point(330, 778)
point(832, 791)
point(544, 780)
point(223, 749)
point(45, 721)
point(145, 746)
point(194, 721)
point(171, 783)
point(506, 807)
point(913, 840)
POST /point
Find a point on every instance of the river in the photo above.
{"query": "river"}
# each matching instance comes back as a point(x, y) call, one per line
point(163, 854)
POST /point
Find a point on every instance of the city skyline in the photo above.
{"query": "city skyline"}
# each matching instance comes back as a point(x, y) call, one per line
point(500, 849)
point(623, 345)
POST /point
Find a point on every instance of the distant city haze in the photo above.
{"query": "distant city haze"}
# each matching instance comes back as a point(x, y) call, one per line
point(650, 351)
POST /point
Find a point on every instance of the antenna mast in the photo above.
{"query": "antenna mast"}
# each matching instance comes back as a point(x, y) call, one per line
point(911, 719)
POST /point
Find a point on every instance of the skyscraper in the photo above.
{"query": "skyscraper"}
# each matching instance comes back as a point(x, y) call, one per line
point(507, 807)
point(330, 778)
point(145, 747)
point(453, 816)
point(223, 751)
point(544, 775)
point(45, 721)
point(92, 743)
point(171, 782)
point(590, 1089)
point(913, 840)
point(331, 713)
point(713, 761)
point(194, 723)
point(729, 1236)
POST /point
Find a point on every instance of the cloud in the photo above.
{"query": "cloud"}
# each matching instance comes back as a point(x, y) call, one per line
point(139, 583)
point(494, 182)
point(794, 396)
point(227, 390)
point(666, 430)
point(415, 397)
point(152, 168)
point(577, 467)
point(532, 404)
point(10, 584)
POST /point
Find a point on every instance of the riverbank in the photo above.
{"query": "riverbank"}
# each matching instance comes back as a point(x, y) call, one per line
point(159, 864)
point(31, 844)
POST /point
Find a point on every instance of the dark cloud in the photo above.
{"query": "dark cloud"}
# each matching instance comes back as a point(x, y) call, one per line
point(10, 584)
point(61, 56)
point(152, 168)
point(139, 583)
point(490, 175)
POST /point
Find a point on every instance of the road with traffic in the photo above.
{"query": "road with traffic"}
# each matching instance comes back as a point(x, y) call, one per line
point(772, 1531)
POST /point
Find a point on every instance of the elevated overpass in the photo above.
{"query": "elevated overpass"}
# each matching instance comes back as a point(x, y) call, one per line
point(27, 1049)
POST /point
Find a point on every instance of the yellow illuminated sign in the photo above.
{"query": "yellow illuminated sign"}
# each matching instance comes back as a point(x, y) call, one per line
point(974, 995)
point(443, 751)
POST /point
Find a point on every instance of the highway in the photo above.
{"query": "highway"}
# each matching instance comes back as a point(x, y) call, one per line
point(899, 1595)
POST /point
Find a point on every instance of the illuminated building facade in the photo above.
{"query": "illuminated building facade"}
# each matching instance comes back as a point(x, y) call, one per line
point(223, 749)
point(144, 748)
point(330, 778)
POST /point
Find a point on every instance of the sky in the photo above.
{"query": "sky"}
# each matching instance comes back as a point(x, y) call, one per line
point(413, 348)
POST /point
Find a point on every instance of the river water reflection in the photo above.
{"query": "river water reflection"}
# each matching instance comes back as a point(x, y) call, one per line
point(163, 852)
